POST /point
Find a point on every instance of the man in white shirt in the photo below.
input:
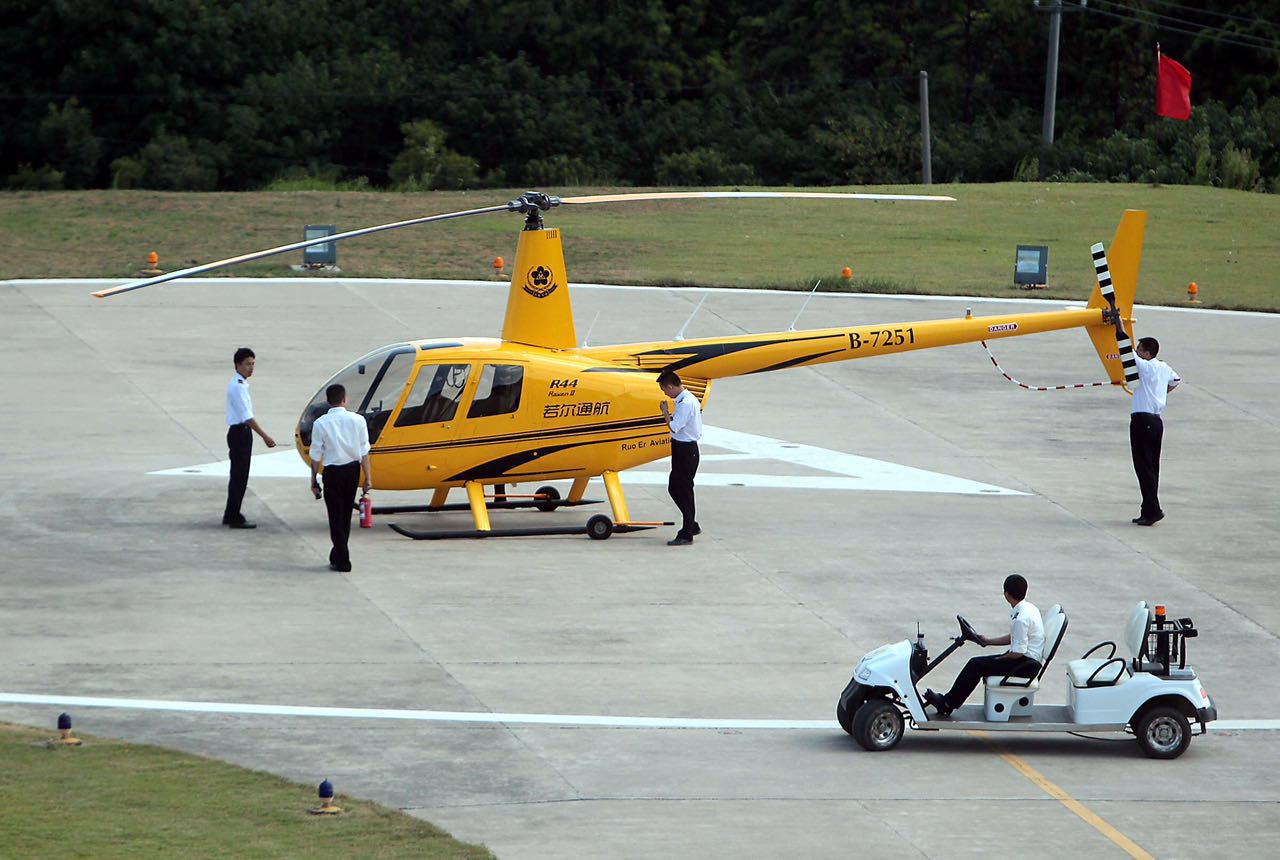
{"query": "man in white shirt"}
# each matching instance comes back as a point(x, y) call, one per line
point(241, 425)
point(1146, 428)
point(685, 422)
point(1022, 660)
point(339, 444)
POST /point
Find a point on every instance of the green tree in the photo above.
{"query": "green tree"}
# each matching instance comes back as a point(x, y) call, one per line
point(425, 162)
point(69, 144)
point(172, 163)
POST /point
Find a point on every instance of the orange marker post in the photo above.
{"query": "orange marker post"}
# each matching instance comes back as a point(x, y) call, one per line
point(1193, 293)
point(846, 273)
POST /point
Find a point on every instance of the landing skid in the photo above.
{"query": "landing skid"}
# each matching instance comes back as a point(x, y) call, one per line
point(599, 527)
point(593, 528)
point(547, 505)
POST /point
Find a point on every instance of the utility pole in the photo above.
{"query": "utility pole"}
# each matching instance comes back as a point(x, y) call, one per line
point(1055, 10)
point(1051, 75)
point(926, 155)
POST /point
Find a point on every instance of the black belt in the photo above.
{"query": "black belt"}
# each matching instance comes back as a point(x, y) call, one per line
point(682, 442)
point(342, 465)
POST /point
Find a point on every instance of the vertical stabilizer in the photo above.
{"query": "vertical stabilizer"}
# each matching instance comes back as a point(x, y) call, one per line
point(538, 309)
point(1117, 273)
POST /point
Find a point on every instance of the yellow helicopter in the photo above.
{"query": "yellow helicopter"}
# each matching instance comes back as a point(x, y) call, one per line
point(533, 406)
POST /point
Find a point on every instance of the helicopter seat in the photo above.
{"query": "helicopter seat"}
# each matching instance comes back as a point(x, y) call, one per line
point(1007, 696)
point(1110, 671)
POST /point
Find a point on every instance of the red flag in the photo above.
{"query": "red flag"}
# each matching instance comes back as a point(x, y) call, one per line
point(1173, 89)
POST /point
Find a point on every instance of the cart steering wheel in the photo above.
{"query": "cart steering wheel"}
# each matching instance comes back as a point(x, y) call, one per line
point(967, 631)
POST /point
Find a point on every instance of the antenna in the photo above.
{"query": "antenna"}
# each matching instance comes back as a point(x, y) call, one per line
point(792, 327)
point(680, 334)
point(586, 336)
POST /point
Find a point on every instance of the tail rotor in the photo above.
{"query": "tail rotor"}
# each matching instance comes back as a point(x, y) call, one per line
point(1117, 283)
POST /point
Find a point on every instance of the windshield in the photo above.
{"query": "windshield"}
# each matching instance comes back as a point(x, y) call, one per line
point(374, 384)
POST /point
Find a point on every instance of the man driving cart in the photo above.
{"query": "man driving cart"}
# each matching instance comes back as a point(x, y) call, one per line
point(1026, 650)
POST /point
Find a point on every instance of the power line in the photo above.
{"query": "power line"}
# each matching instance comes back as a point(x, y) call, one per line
point(1201, 11)
point(1202, 29)
point(1270, 48)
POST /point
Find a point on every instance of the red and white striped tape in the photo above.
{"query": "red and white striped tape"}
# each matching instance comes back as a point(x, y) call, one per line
point(1040, 387)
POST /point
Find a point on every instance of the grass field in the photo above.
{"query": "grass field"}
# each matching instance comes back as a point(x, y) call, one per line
point(109, 799)
point(1226, 241)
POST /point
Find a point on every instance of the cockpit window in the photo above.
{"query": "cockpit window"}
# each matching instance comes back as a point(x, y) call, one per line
point(374, 384)
point(435, 394)
point(498, 392)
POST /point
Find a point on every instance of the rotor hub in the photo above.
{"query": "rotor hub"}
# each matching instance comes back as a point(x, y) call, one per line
point(533, 204)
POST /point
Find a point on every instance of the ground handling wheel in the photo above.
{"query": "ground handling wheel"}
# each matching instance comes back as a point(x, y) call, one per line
point(550, 496)
point(599, 527)
point(878, 725)
point(1163, 732)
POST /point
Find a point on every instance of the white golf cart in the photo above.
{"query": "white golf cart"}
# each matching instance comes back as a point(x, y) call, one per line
point(1151, 692)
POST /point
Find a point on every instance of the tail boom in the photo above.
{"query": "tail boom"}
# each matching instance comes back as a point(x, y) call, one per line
point(1107, 318)
point(716, 358)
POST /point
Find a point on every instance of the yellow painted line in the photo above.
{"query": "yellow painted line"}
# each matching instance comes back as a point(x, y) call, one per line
point(1089, 817)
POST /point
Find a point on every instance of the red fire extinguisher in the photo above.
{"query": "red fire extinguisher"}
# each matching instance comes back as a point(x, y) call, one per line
point(366, 512)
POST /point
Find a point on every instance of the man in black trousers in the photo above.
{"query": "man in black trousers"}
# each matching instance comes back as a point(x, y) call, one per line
point(685, 422)
point(1146, 428)
point(241, 425)
point(339, 444)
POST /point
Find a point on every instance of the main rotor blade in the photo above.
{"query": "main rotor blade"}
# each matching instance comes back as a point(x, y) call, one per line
point(710, 195)
point(293, 246)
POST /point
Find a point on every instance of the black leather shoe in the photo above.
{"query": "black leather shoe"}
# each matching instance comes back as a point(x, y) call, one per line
point(1149, 521)
point(696, 530)
point(939, 703)
point(243, 524)
point(340, 568)
point(680, 541)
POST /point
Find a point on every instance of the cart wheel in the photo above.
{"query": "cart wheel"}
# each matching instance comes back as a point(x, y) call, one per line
point(844, 718)
point(1163, 732)
point(877, 725)
point(552, 495)
point(599, 527)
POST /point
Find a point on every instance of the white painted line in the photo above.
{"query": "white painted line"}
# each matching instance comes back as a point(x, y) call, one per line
point(870, 474)
point(901, 481)
point(849, 471)
point(1245, 726)
point(473, 716)
point(422, 716)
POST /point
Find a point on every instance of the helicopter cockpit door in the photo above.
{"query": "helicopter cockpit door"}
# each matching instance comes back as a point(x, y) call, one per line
point(420, 443)
point(496, 420)
point(434, 397)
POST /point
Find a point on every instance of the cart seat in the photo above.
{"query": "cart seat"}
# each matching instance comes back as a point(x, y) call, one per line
point(1005, 696)
point(1083, 672)
point(1112, 670)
